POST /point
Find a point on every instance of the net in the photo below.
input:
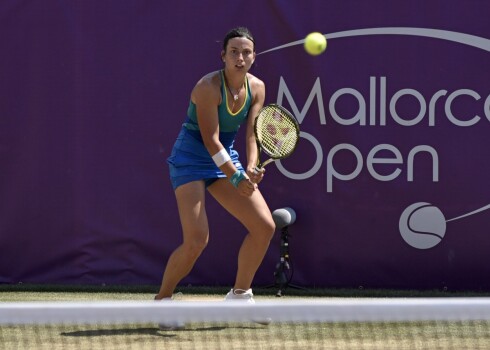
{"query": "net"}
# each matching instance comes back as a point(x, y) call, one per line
point(435, 323)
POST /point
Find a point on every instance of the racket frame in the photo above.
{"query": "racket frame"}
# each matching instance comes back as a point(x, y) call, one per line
point(287, 114)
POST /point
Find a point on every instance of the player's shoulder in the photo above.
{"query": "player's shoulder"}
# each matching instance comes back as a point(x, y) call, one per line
point(210, 80)
point(254, 81)
point(257, 86)
point(208, 85)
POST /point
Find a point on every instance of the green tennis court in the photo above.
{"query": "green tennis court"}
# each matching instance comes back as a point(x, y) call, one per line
point(236, 335)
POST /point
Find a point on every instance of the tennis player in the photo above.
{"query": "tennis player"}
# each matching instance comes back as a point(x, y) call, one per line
point(203, 158)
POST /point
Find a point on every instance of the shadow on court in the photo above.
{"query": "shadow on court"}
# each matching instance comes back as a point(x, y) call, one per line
point(117, 332)
point(146, 331)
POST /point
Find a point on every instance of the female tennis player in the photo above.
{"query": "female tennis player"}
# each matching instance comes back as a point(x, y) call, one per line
point(203, 158)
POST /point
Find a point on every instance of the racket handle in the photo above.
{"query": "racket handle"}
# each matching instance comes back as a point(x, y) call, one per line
point(258, 170)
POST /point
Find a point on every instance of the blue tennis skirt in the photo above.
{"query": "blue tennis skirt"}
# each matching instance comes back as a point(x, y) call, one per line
point(190, 160)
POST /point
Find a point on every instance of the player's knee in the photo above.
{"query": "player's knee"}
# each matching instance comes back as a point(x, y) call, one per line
point(268, 228)
point(271, 226)
point(195, 246)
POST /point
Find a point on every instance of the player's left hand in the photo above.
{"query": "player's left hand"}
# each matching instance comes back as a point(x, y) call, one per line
point(255, 177)
point(246, 187)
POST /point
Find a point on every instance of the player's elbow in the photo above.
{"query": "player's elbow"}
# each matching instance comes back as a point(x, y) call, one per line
point(212, 144)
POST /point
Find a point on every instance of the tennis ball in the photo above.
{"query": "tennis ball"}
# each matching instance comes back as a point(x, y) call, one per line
point(315, 43)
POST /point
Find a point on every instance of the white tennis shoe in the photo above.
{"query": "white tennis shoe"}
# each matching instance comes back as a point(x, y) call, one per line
point(170, 325)
point(240, 294)
point(247, 297)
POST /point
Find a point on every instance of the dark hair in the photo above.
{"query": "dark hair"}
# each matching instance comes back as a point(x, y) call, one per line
point(238, 32)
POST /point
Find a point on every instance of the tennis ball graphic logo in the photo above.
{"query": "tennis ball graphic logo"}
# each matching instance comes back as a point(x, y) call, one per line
point(422, 225)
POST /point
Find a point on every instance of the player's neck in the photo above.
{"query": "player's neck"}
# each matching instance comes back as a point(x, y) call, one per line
point(234, 82)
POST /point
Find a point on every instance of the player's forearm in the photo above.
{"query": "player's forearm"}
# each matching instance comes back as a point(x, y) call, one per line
point(252, 151)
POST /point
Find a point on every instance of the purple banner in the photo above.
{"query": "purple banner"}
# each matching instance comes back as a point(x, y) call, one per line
point(389, 181)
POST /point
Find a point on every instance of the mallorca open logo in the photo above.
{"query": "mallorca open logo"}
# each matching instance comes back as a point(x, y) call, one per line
point(421, 225)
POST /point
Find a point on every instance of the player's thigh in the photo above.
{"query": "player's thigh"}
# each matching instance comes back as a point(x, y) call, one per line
point(253, 212)
point(192, 211)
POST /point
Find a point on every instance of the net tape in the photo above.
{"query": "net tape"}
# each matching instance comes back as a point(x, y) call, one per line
point(315, 310)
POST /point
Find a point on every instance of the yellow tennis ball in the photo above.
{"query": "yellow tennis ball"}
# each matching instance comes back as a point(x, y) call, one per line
point(315, 43)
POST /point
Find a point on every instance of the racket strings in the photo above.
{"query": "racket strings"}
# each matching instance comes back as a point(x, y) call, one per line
point(277, 133)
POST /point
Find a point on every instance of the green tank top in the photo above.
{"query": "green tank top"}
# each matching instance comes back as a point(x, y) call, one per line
point(228, 121)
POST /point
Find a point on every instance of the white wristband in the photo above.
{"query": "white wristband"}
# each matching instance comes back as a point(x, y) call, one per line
point(221, 157)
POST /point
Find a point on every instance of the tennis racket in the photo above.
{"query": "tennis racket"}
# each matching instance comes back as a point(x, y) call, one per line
point(276, 132)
